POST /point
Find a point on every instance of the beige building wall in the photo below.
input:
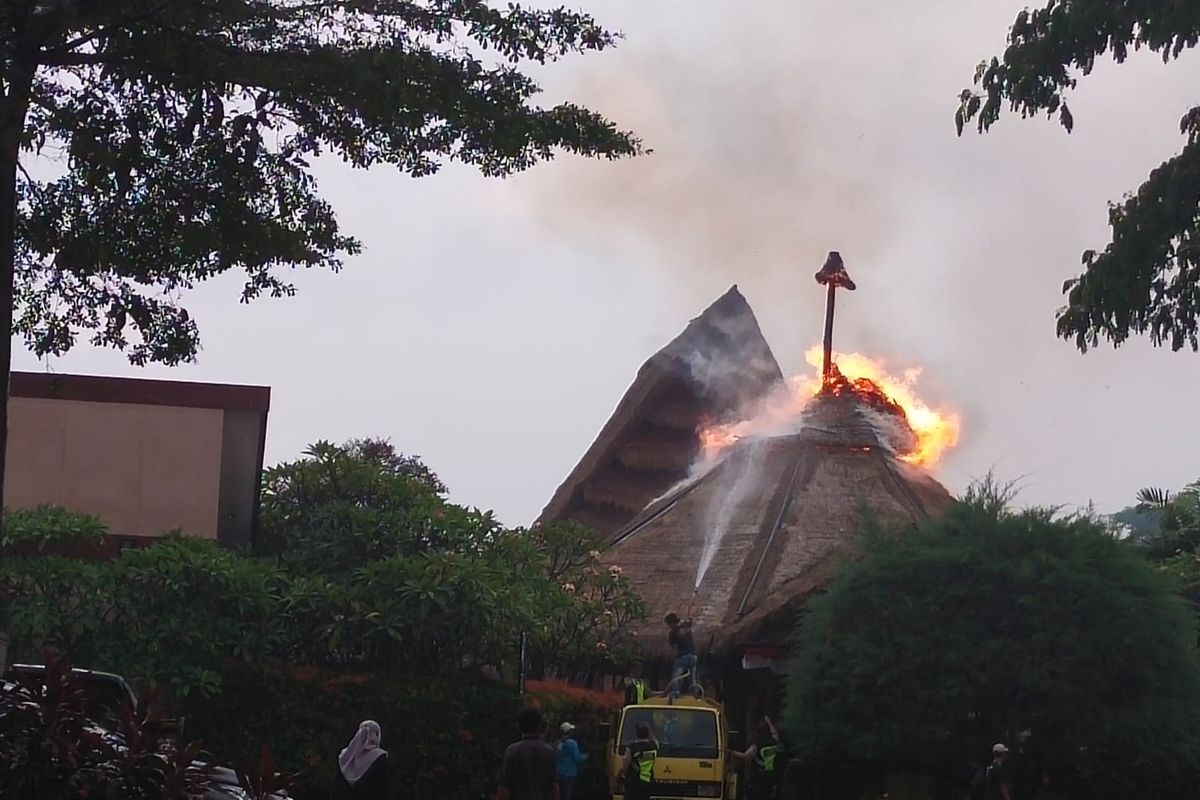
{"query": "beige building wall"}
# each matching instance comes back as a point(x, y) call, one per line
point(144, 469)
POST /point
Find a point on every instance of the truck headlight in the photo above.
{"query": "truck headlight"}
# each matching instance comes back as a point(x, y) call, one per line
point(708, 790)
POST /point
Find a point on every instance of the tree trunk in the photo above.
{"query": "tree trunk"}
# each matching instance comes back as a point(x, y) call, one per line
point(13, 107)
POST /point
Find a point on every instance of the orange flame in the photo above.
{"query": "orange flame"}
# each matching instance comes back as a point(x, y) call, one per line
point(936, 430)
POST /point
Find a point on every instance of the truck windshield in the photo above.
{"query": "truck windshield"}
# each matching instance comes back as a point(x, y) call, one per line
point(681, 732)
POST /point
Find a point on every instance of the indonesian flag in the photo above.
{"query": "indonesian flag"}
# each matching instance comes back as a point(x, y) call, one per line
point(762, 657)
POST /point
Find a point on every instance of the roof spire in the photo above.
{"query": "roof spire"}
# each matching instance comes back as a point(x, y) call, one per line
point(833, 276)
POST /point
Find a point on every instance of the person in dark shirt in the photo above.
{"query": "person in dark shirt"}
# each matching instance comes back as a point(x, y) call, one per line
point(530, 768)
point(680, 637)
point(362, 766)
point(999, 774)
point(640, 756)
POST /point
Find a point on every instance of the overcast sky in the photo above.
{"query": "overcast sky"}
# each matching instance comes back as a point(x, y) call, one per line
point(491, 326)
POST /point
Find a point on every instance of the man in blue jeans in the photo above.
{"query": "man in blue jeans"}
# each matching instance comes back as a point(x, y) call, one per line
point(680, 637)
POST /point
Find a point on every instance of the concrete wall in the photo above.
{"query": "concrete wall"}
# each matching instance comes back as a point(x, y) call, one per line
point(144, 469)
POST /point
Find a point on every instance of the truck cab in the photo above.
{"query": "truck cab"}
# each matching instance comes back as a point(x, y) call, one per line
point(693, 743)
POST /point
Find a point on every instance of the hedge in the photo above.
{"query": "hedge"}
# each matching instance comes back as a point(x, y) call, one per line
point(445, 739)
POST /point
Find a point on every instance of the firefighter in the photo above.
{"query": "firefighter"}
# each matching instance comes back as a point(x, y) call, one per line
point(639, 763)
point(636, 690)
point(765, 760)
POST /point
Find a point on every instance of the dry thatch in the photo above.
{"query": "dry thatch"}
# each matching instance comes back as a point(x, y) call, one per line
point(719, 363)
point(789, 507)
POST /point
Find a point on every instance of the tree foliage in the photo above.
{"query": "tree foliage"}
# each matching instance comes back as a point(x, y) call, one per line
point(180, 137)
point(343, 506)
point(1147, 279)
point(988, 623)
point(364, 565)
point(184, 131)
point(173, 613)
point(1170, 533)
point(392, 574)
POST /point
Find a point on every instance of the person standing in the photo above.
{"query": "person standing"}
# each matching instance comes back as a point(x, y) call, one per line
point(636, 690)
point(362, 766)
point(680, 637)
point(530, 765)
point(570, 759)
point(640, 756)
point(999, 774)
point(766, 762)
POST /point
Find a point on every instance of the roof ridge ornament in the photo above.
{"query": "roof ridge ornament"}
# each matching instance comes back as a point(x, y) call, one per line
point(833, 276)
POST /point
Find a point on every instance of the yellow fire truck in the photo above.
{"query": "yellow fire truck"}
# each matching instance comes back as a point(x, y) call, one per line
point(693, 745)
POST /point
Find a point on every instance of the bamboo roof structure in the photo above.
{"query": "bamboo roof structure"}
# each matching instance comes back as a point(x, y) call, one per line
point(718, 364)
point(778, 514)
point(774, 515)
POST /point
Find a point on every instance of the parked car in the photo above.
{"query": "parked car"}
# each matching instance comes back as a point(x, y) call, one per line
point(106, 693)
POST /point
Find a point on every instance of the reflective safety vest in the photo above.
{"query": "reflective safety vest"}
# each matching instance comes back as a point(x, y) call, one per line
point(766, 757)
point(643, 756)
point(639, 691)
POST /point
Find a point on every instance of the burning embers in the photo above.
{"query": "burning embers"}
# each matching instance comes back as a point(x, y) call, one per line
point(904, 423)
point(865, 390)
point(851, 398)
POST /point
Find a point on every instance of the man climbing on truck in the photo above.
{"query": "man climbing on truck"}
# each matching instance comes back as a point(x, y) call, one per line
point(680, 637)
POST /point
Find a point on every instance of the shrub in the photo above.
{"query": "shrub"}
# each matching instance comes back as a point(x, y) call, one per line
point(444, 738)
point(51, 749)
point(50, 529)
point(990, 623)
point(438, 733)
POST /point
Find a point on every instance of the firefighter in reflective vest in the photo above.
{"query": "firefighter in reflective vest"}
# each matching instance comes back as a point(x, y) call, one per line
point(639, 764)
point(636, 691)
point(766, 762)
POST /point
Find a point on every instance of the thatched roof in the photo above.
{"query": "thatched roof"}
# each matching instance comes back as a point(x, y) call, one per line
point(718, 364)
point(789, 507)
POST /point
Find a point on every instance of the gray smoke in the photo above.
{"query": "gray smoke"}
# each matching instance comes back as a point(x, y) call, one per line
point(783, 130)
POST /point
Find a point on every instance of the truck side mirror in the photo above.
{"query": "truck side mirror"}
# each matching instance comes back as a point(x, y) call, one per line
point(605, 731)
point(737, 741)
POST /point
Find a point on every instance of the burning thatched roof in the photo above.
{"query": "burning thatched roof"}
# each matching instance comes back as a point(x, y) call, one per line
point(740, 546)
point(774, 515)
point(718, 364)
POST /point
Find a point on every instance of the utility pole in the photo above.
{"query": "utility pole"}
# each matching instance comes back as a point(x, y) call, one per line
point(833, 277)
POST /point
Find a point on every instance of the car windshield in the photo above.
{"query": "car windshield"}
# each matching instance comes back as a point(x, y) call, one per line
point(681, 732)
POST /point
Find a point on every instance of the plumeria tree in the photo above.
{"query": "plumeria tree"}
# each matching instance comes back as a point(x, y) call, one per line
point(583, 618)
point(365, 564)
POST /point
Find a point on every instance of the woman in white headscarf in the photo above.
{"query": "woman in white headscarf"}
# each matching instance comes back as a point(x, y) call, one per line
point(362, 766)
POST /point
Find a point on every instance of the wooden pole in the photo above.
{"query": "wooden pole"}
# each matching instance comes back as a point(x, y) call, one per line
point(827, 362)
point(524, 664)
point(832, 276)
